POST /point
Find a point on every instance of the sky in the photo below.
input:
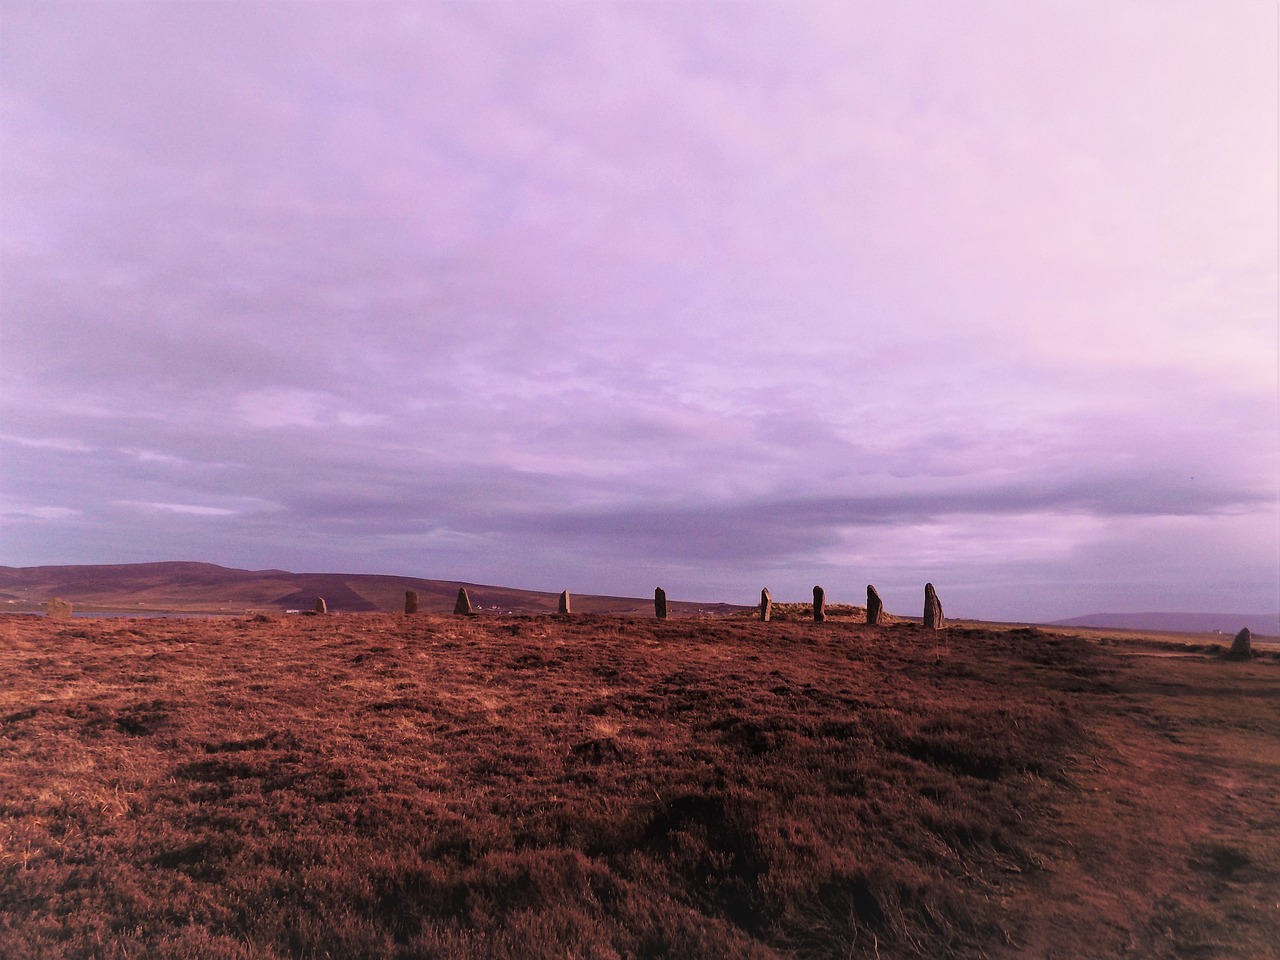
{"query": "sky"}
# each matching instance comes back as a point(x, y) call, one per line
point(605, 296)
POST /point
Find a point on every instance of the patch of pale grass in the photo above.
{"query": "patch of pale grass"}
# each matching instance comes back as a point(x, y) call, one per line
point(604, 728)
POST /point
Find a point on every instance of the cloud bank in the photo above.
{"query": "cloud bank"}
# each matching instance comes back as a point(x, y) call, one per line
point(608, 295)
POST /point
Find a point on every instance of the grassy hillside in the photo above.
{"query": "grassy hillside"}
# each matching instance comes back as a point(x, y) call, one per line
point(383, 786)
point(1265, 624)
point(185, 587)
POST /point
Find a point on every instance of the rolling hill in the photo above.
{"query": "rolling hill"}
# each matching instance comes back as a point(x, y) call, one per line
point(1267, 624)
point(189, 587)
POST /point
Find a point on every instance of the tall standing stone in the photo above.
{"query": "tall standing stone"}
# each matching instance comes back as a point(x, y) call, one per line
point(562, 606)
point(932, 608)
point(819, 605)
point(875, 607)
point(660, 603)
point(766, 605)
point(321, 606)
point(411, 601)
point(58, 609)
point(463, 603)
point(1243, 643)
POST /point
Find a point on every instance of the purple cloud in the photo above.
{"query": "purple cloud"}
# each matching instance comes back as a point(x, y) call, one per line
point(622, 292)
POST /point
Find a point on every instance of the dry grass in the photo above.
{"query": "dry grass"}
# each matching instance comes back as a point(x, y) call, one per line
point(387, 787)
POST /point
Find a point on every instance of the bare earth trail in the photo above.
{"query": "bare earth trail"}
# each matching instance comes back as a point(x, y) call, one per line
point(381, 786)
point(1169, 845)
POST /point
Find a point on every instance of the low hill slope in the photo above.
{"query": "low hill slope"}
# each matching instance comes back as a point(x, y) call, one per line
point(1267, 624)
point(189, 587)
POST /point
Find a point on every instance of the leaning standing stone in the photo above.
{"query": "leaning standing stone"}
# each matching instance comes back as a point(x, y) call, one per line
point(463, 604)
point(321, 607)
point(932, 608)
point(766, 605)
point(562, 607)
point(411, 601)
point(1243, 643)
point(58, 609)
point(660, 603)
point(875, 607)
point(819, 605)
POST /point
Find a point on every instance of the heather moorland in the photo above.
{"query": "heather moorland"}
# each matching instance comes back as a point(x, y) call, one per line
point(381, 786)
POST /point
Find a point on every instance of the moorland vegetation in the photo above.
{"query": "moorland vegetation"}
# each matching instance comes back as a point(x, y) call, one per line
point(383, 786)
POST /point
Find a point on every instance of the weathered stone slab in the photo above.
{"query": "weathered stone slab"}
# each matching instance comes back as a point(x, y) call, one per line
point(563, 606)
point(58, 609)
point(1243, 643)
point(410, 601)
point(875, 607)
point(660, 603)
point(463, 603)
point(932, 608)
point(766, 605)
point(819, 605)
point(321, 606)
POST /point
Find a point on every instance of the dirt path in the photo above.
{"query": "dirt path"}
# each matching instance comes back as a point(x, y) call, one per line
point(1170, 846)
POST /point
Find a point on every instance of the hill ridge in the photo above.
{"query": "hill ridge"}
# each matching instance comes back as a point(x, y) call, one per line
point(1267, 624)
point(193, 586)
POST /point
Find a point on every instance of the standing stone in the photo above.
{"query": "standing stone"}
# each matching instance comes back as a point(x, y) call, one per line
point(875, 607)
point(932, 608)
point(819, 605)
point(660, 603)
point(463, 604)
point(410, 601)
point(321, 607)
point(766, 605)
point(1243, 643)
point(562, 607)
point(58, 609)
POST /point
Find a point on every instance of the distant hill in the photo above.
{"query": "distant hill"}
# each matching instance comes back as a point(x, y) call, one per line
point(1266, 624)
point(188, 587)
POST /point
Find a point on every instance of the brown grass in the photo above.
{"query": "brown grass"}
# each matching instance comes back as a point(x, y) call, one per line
point(388, 787)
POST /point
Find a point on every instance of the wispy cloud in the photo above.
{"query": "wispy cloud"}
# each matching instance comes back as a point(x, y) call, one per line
point(195, 510)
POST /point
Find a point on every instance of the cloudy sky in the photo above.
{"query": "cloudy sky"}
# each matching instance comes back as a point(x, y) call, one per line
point(609, 295)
